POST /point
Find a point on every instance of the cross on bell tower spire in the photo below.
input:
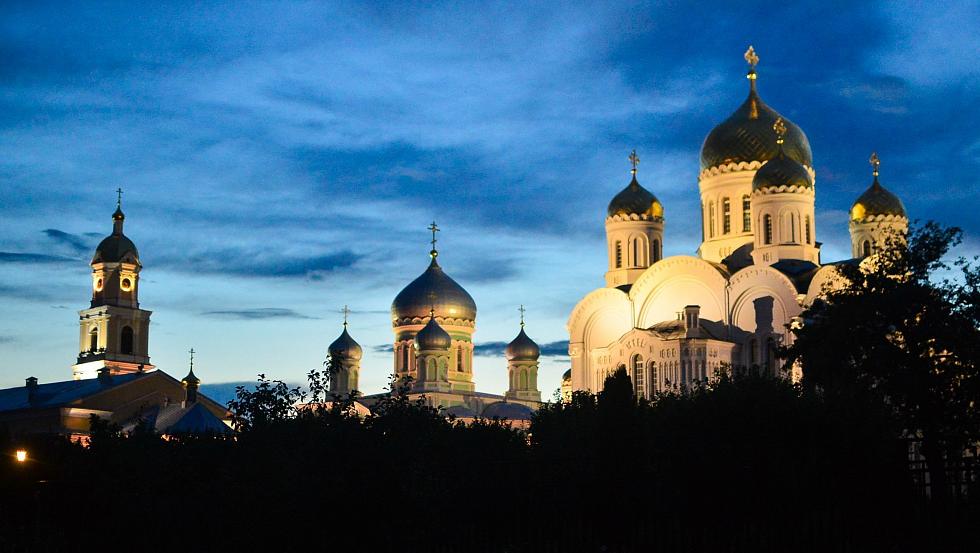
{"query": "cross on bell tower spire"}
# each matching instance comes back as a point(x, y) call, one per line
point(634, 161)
point(522, 310)
point(875, 163)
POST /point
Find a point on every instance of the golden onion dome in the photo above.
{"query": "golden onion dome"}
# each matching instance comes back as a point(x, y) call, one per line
point(876, 200)
point(522, 348)
point(345, 347)
point(781, 170)
point(635, 200)
point(746, 135)
point(116, 247)
point(433, 289)
point(567, 376)
point(433, 337)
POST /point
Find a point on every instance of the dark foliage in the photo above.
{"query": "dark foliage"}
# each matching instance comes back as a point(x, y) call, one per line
point(742, 464)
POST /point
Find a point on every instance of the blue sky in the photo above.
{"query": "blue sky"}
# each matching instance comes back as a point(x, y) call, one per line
point(282, 160)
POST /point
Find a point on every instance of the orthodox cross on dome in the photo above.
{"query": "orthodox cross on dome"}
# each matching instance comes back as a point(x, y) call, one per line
point(875, 163)
point(434, 228)
point(119, 197)
point(522, 310)
point(634, 161)
point(346, 312)
point(751, 57)
point(780, 128)
point(192, 359)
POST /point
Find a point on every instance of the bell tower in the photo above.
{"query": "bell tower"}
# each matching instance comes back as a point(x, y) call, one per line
point(114, 331)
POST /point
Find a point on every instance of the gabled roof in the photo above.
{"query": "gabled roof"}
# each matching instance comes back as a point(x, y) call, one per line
point(60, 394)
point(192, 419)
point(675, 329)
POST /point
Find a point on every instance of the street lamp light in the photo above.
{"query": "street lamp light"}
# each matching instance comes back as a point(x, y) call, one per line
point(21, 455)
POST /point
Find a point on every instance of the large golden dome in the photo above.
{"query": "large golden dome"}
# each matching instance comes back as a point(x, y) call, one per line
point(433, 289)
point(635, 200)
point(747, 136)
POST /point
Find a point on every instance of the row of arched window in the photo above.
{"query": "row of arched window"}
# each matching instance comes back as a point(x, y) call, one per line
point(726, 216)
point(639, 253)
point(790, 229)
point(521, 380)
point(405, 356)
point(125, 340)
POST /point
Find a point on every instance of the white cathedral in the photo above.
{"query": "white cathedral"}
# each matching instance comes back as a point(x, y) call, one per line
point(671, 322)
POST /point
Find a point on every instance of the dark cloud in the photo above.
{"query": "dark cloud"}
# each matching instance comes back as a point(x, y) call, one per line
point(34, 258)
point(258, 313)
point(383, 348)
point(7, 339)
point(249, 263)
point(75, 242)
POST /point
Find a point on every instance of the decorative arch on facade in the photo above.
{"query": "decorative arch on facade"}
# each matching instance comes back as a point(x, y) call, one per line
point(754, 282)
point(664, 289)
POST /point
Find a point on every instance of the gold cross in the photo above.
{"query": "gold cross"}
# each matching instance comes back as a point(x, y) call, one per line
point(119, 197)
point(875, 163)
point(192, 359)
point(780, 127)
point(634, 160)
point(522, 310)
point(751, 57)
point(434, 230)
point(346, 312)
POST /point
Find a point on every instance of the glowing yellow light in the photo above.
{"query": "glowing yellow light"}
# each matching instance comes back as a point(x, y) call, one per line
point(657, 210)
point(127, 284)
point(21, 456)
point(857, 212)
point(98, 285)
point(452, 310)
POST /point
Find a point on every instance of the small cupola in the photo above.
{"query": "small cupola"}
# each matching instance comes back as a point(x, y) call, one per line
point(782, 170)
point(432, 337)
point(522, 348)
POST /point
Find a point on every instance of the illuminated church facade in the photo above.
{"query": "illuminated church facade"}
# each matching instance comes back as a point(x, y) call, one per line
point(671, 322)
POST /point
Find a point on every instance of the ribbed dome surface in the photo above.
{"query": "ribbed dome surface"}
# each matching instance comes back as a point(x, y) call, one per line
point(433, 337)
point(345, 347)
point(781, 171)
point(635, 200)
point(747, 136)
point(433, 289)
point(522, 348)
point(876, 200)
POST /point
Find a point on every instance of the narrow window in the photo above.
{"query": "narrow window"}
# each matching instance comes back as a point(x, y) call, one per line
point(459, 358)
point(807, 229)
point(636, 253)
point(746, 214)
point(126, 341)
point(767, 226)
point(866, 248)
point(653, 377)
point(656, 251)
point(404, 358)
point(93, 339)
point(619, 254)
point(792, 228)
point(726, 216)
point(523, 379)
point(638, 380)
point(711, 220)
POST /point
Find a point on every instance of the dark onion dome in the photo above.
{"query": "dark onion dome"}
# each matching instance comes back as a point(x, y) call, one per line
point(522, 348)
point(509, 411)
point(116, 247)
point(635, 200)
point(345, 347)
point(567, 377)
point(747, 135)
point(433, 337)
point(876, 200)
point(433, 289)
point(191, 378)
point(781, 170)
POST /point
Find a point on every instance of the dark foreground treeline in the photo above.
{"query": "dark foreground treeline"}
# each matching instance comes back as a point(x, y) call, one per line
point(750, 464)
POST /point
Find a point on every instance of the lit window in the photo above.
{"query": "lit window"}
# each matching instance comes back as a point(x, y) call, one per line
point(767, 229)
point(619, 254)
point(746, 214)
point(726, 216)
point(807, 229)
point(711, 220)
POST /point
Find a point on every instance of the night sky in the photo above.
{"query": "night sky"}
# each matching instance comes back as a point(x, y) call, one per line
point(282, 160)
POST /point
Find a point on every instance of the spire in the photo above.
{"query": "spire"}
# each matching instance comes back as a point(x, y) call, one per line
point(753, 59)
point(875, 163)
point(346, 312)
point(634, 161)
point(118, 217)
point(433, 253)
point(191, 382)
point(522, 310)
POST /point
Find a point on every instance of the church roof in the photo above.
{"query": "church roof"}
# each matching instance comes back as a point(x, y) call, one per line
point(60, 394)
point(192, 419)
point(675, 329)
point(508, 410)
point(877, 200)
point(345, 347)
point(799, 271)
point(522, 348)
point(635, 200)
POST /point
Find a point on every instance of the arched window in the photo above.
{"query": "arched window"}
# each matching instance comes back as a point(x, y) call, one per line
point(806, 230)
point(654, 383)
point(656, 251)
point(523, 379)
point(459, 358)
point(638, 380)
point(767, 229)
point(93, 339)
point(619, 254)
point(430, 369)
point(866, 248)
point(726, 216)
point(126, 340)
point(636, 252)
point(404, 358)
point(746, 214)
point(792, 228)
point(711, 220)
